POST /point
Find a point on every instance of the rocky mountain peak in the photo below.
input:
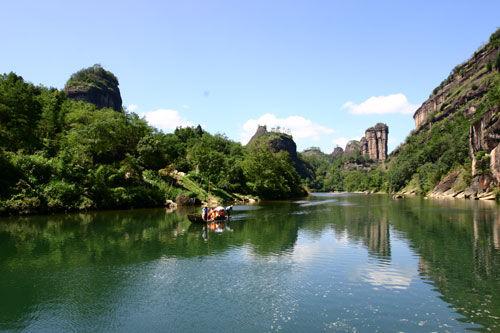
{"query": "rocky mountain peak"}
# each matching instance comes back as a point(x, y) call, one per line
point(95, 85)
point(278, 141)
point(374, 143)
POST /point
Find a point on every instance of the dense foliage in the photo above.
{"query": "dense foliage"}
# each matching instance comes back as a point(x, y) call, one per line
point(429, 155)
point(61, 154)
point(270, 175)
point(94, 76)
point(348, 172)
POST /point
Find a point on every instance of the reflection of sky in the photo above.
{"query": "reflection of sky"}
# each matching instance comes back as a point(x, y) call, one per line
point(389, 277)
point(397, 273)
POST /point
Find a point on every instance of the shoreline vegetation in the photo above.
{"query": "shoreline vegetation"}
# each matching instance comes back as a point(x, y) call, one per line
point(73, 151)
point(78, 149)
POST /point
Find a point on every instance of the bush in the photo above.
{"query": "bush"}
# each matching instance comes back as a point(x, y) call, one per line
point(21, 204)
point(482, 162)
point(8, 175)
point(157, 150)
point(61, 195)
point(428, 176)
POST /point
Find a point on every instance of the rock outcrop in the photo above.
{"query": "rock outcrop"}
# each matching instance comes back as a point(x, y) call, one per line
point(374, 143)
point(495, 164)
point(95, 85)
point(337, 152)
point(261, 131)
point(277, 142)
point(462, 89)
point(484, 147)
point(467, 100)
point(352, 147)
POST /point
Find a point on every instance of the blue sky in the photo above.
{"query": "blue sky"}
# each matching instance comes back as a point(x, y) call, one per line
point(326, 70)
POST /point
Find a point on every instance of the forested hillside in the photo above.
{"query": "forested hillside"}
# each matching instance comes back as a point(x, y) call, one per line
point(439, 156)
point(454, 150)
point(78, 150)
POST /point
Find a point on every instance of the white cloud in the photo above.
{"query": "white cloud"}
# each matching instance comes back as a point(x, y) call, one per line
point(396, 103)
point(132, 107)
point(166, 119)
point(300, 127)
point(388, 277)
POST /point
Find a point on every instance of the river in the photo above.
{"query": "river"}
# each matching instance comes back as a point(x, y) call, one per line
point(332, 262)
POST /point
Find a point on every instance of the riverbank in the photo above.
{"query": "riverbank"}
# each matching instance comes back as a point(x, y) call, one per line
point(450, 194)
point(446, 189)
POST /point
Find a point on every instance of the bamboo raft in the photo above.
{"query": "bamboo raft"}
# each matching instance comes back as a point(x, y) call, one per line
point(197, 218)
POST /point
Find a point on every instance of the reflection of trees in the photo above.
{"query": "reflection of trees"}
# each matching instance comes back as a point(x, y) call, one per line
point(33, 252)
point(364, 222)
point(270, 231)
point(458, 246)
point(456, 241)
point(377, 238)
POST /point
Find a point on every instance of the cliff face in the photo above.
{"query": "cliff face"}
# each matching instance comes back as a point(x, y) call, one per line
point(484, 136)
point(463, 88)
point(467, 103)
point(374, 143)
point(261, 130)
point(95, 85)
point(276, 141)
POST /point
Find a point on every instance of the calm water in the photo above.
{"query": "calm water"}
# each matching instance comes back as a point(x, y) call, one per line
point(341, 263)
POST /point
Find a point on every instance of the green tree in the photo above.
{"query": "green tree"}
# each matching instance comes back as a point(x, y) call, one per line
point(271, 175)
point(20, 110)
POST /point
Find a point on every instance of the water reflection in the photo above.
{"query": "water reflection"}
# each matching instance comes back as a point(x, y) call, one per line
point(452, 244)
point(387, 277)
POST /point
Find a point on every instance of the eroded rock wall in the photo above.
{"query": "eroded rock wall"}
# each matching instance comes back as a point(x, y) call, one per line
point(484, 136)
point(464, 85)
point(374, 143)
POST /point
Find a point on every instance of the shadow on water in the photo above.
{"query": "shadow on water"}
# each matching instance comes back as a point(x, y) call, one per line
point(457, 242)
